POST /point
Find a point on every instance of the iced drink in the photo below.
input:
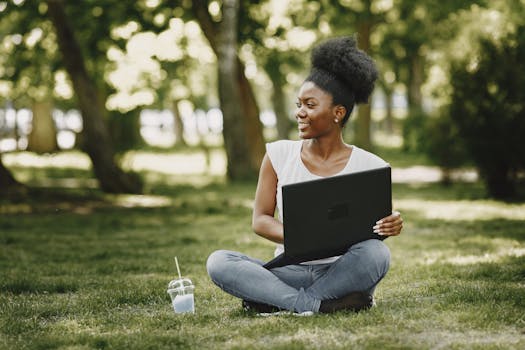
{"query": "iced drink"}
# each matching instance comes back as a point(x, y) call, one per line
point(181, 294)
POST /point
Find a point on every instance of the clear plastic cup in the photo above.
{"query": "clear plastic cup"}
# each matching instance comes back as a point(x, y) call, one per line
point(181, 294)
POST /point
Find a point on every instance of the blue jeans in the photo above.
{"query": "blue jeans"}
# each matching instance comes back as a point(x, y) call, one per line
point(300, 288)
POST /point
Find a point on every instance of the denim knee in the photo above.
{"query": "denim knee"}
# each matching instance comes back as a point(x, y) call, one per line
point(378, 253)
point(214, 263)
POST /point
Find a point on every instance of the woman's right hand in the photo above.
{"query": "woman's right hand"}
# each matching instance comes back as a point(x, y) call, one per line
point(390, 225)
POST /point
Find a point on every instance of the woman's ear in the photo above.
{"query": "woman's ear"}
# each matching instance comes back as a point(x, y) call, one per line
point(340, 111)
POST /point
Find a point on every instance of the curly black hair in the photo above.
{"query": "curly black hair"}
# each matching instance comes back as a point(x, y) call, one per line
point(343, 70)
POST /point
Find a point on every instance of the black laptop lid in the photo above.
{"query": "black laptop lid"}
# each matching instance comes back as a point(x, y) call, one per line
point(324, 217)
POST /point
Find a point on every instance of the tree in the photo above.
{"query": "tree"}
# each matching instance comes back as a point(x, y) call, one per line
point(280, 35)
point(98, 145)
point(37, 57)
point(43, 136)
point(245, 162)
point(27, 65)
point(229, 94)
point(410, 33)
point(488, 106)
point(274, 68)
point(362, 17)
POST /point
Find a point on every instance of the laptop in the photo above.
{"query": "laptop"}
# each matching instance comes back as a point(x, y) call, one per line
point(323, 218)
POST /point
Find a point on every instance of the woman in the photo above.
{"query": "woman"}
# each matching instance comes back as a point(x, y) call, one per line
point(341, 76)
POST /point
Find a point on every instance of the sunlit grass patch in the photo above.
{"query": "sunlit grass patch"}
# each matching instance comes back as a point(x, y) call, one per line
point(70, 159)
point(463, 210)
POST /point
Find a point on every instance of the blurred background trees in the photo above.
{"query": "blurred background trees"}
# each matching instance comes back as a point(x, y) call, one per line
point(109, 76)
point(488, 107)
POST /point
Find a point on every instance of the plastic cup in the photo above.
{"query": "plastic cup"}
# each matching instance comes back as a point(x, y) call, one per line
point(181, 294)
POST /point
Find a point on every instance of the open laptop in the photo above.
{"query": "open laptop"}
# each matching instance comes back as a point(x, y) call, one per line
point(324, 217)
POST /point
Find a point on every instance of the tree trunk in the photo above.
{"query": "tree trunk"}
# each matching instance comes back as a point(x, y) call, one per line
point(415, 81)
point(284, 125)
point(362, 133)
point(389, 115)
point(178, 125)
point(251, 138)
point(97, 140)
point(43, 136)
point(251, 123)
point(124, 129)
point(500, 182)
point(239, 165)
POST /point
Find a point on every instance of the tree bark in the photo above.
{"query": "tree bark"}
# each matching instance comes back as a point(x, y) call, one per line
point(389, 115)
point(284, 125)
point(43, 136)
point(239, 165)
point(251, 138)
point(249, 113)
point(97, 140)
point(178, 125)
point(364, 115)
point(415, 81)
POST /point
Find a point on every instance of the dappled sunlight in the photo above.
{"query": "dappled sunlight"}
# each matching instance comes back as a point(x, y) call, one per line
point(142, 201)
point(452, 339)
point(487, 257)
point(177, 163)
point(75, 160)
point(463, 210)
point(429, 174)
point(210, 163)
point(73, 326)
point(322, 338)
point(473, 259)
point(83, 205)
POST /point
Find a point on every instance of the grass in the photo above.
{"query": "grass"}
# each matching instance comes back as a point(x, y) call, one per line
point(85, 270)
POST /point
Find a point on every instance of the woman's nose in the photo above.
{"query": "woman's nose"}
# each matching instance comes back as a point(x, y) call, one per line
point(300, 113)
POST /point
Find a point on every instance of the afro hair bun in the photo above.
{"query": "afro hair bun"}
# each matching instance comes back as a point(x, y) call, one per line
point(341, 58)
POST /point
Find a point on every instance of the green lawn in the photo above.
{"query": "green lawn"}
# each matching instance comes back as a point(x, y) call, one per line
point(84, 270)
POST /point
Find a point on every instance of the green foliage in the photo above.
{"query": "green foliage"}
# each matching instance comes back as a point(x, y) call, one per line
point(414, 131)
point(443, 145)
point(125, 130)
point(488, 108)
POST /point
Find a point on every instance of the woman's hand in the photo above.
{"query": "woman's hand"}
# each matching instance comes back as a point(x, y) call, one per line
point(389, 226)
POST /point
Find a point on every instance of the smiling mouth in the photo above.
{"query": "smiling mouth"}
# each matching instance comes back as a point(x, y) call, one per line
point(302, 126)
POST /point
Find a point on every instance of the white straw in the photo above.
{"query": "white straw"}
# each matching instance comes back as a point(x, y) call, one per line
point(178, 270)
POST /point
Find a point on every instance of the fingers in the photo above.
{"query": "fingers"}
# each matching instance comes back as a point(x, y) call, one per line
point(390, 225)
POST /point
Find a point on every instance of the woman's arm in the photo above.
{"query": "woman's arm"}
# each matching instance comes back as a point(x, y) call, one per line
point(263, 221)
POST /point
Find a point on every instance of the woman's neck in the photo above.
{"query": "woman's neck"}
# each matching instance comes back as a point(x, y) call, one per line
point(325, 148)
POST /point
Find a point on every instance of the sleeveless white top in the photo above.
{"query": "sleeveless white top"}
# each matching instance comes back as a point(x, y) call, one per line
point(285, 156)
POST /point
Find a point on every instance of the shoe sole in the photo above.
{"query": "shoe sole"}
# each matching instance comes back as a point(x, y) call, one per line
point(281, 313)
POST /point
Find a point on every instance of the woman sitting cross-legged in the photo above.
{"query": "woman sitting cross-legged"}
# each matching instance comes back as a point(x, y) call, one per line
point(341, 77)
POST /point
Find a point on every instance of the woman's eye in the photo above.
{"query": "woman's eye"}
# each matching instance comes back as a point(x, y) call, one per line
point(309, 105)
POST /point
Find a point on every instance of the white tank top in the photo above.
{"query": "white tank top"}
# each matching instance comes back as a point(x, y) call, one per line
point(285, 156)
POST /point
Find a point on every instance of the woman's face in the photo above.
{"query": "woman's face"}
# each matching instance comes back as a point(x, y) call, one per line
point(315, 112)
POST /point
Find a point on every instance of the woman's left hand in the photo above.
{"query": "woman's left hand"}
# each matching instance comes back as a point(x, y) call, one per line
point(389, 226)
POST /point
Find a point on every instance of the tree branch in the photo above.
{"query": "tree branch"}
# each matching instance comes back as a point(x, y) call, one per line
point(208, 26)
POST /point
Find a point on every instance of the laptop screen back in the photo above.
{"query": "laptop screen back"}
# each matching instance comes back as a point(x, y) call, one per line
point(324, 217)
